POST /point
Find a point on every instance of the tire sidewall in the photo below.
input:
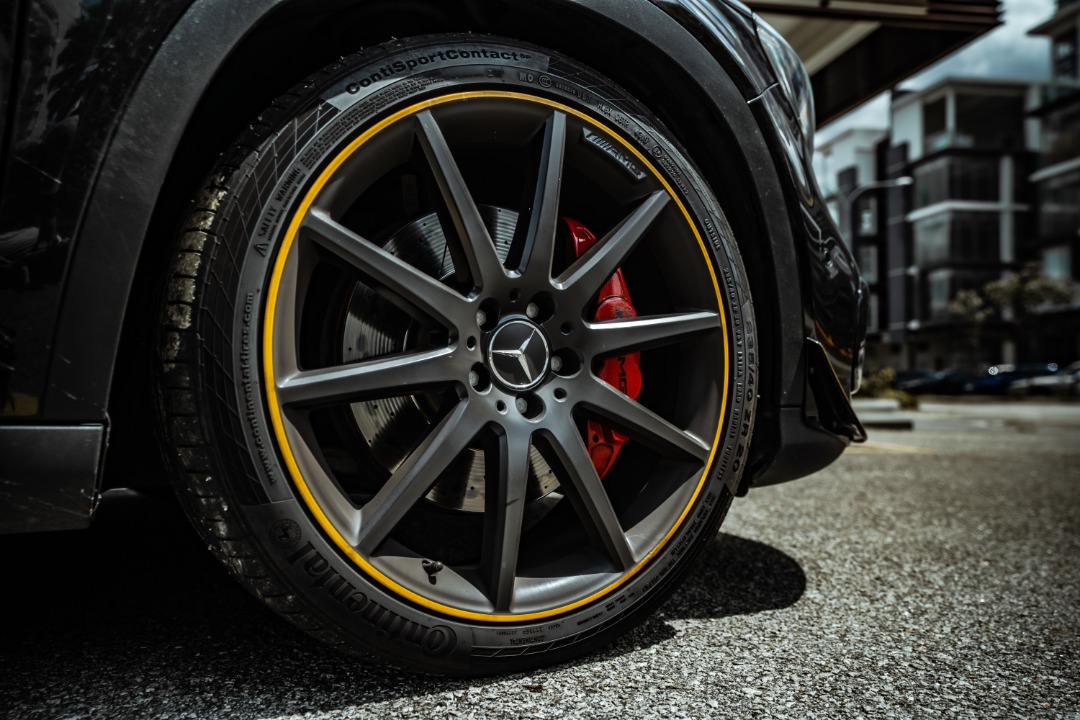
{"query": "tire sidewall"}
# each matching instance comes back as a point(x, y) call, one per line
point(266, 190)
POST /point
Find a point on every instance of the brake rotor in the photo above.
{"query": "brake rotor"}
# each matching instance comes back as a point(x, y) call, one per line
point(374, 327)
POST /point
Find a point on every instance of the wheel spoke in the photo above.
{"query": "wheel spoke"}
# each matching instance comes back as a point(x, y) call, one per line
point(607, 338)
point(474, 241)
point(393, 375)
point(420, 289)
point(640, 423)
point(590, 271)
point(504, 506)
point(533, 251)
point(415, 476)
point(582, 485)
point(308, 453)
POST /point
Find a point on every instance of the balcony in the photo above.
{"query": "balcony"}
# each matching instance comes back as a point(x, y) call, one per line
point(1056, 95)
point(1059, 115)
point(948, 139)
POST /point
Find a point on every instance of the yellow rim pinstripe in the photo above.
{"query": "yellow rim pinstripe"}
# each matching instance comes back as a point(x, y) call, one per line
point(271, 387)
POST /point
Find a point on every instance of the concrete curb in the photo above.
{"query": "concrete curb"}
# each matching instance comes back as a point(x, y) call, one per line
point(869, 405)
point(882, 414)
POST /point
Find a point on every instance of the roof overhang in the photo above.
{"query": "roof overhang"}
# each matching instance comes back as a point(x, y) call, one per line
point(855, 49)
point(1063, 19)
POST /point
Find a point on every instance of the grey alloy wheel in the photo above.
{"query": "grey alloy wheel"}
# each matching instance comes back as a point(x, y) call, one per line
point(400, 369)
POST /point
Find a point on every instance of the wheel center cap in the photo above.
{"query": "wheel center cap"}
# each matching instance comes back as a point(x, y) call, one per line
point(518, 355)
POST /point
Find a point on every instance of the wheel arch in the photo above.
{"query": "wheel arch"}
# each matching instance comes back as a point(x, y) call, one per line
point(152, 170)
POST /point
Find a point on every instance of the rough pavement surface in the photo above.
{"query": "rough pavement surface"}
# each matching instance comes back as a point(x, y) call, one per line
point(931, 573)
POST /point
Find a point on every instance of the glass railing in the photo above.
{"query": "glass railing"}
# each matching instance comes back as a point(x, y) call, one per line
point(1052, 92)
point(948, 139)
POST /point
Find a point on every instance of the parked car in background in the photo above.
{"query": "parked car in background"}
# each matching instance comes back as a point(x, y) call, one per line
point(1065, 383)
point(903, 377)
point(939, 382)
point(999, 378)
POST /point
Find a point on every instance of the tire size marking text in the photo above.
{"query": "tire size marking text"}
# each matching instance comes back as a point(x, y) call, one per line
point(434, 641)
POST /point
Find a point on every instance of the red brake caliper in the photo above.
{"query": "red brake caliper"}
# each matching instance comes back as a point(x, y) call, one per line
point(621, 371)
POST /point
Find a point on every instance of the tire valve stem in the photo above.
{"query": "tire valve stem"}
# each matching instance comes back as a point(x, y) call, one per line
point(432, 568)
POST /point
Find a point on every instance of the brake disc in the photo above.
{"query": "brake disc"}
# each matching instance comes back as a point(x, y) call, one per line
point(392, 427)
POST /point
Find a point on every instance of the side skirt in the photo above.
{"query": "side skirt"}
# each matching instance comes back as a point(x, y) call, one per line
point(49, 476)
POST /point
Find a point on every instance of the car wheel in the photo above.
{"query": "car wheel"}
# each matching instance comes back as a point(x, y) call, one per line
point(457, 359)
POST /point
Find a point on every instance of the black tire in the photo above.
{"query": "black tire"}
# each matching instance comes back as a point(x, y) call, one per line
point(329, 388)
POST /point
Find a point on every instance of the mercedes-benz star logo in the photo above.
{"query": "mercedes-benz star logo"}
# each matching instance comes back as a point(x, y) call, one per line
point(518, 355)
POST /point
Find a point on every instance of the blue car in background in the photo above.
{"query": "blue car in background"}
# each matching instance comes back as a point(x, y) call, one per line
point(938, 382)
point(1065, 383)
point(999, 378)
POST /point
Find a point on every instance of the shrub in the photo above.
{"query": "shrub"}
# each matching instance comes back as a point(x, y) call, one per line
point(880, 385)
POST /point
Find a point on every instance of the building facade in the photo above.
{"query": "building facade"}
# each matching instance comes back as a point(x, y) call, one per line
point(1056, 179)
point(938, 203)
point(972, 180)
point(966, 220)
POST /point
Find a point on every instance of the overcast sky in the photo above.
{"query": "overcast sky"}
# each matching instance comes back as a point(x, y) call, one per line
point(1006, 52)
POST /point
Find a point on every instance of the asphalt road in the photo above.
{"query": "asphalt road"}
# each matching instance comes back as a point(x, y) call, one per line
point(929, 573)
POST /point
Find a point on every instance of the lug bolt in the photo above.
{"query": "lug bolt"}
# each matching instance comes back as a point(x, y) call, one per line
point(521, 405)
point(474, 378)
point(556, 363)
point(481, 317)
point(532, 310)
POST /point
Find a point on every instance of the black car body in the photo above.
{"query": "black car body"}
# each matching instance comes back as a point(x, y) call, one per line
point(113, 111)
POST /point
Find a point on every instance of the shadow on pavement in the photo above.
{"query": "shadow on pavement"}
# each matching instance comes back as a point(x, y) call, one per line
point(136, 602)
point(736, 576)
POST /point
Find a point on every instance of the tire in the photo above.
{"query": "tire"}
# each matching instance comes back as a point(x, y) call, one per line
point(380, 353)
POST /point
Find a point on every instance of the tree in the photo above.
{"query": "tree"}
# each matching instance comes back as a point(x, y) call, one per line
point(1021, 293)
point(971, 306)
point(1016, 296)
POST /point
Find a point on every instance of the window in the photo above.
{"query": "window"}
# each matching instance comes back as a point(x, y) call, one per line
point(975, 237)
point(990, 121)
point(958, 237)
point(868, 262)
point(956, 179)
point(934, 117)
point(1059, 206)
point(973, 179)
point(1057, 263)
point(868, 216)
point(1064, 56)
point(1061, 135)
point(940, 284)
point(932, 240)
point(931, 183)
